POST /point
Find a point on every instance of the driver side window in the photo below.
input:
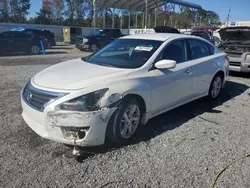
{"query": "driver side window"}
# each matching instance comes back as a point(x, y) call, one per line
point(176, 51)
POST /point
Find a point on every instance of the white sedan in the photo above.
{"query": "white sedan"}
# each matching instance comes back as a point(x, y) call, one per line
point(111, 93)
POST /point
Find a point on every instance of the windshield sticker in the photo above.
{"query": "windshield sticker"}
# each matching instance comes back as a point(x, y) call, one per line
point(143, 48)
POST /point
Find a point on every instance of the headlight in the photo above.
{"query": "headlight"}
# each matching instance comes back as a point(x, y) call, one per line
point(85, 40)
point(248, 57)
point(88, 102)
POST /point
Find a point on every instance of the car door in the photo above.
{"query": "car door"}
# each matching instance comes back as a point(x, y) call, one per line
point(171, 86)
point(21, 41)
point(202, 65)
point(6, 42)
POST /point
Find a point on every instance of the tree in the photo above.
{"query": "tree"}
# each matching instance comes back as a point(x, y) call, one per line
point(58, 10)
point(213, 17)
point(208, 17)
point(4, 11)
point(71, 9)
point(19, 10)
point(45, 15)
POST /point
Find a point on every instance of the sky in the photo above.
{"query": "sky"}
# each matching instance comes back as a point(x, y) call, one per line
point(240, 9)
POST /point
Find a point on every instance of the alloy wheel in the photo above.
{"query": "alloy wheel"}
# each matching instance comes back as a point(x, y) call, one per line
point(94, 47)
point(35, 49)
point(130, 121)
point(216, 86)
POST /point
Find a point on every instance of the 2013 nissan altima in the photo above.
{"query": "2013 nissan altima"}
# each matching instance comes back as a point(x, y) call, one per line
point(112, 92)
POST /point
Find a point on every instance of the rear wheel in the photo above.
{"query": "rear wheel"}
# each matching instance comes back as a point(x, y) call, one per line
point(215, 86)
point(34, 49)
point(125, 121)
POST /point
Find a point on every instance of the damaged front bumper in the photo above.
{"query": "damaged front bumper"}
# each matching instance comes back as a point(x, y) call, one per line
point(69, 127)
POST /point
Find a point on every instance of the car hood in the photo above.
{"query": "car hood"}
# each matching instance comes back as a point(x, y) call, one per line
point(77, 74)
point(235, 34)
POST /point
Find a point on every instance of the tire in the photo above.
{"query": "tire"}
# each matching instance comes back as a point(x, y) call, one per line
point(93, 47)
point(215, 86)
point(35, 49)
point(121, 131)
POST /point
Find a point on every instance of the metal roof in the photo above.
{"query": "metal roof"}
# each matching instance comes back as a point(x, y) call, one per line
point(140, 5)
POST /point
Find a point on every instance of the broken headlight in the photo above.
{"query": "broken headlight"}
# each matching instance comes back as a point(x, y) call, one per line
point(88, 102)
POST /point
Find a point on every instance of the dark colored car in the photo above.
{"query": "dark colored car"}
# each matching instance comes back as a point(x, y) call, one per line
point(208, 35)
point(235, 41)
point(16, 41)
point(44, 33)
point(166, 29)
point(97, 38)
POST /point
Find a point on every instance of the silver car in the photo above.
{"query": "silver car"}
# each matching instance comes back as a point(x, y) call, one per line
point(236, 43)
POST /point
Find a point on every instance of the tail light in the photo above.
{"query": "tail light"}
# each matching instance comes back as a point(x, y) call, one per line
point(45, 40)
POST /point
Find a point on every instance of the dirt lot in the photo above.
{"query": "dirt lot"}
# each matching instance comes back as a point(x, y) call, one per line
point(185, 147)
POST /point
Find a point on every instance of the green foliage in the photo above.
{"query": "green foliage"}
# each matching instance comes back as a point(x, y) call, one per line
point(14, 10)
point(80, 13)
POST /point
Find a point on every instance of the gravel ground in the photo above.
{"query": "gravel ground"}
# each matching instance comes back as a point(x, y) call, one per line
point(185, 147)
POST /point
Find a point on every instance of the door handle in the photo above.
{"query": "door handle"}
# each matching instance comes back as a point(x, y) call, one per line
point(188, 71)
point(11, 40)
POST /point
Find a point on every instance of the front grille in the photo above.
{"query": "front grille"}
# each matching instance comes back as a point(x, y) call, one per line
point(37, 98)
point(237, 64)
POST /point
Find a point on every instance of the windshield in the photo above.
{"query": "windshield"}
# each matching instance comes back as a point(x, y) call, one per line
point(94, 32)
point(125, 53)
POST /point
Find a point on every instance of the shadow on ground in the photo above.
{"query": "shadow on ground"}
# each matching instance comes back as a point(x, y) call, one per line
point(62, 47)
point(172, 119)
point(48, 52)
point(55, 52)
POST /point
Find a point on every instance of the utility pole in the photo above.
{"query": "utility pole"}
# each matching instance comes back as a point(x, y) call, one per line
point(94, 13)
point(228, 16)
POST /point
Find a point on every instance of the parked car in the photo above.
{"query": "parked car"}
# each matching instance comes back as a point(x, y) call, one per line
point(98, 38)
point(217, 39)
point(109, 94)
point(16, 41)
point(208, 35)
point(206, 28)
point(44, 33)
point(236, 43)
point(166, 29)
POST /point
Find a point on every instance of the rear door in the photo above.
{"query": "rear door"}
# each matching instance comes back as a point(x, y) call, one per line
point(6, 42)
point(22, 42)
point(203, 65)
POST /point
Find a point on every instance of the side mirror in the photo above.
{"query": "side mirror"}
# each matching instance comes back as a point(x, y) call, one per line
point(165, 64)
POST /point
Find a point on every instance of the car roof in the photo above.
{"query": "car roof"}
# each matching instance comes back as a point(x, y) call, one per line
point(156, 36)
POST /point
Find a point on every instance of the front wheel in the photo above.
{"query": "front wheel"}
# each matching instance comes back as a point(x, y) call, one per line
point(215, 86)
point(125, 121)
point(94, 47)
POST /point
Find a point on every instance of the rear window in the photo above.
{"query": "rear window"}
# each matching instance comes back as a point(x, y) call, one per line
point(198, 49)
point(48, 33)
point(210, 49)
point(20, 35)
point(6, 35)
point(204, 35)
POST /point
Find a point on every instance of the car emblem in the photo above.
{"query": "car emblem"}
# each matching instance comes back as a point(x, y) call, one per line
point(29, 97)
